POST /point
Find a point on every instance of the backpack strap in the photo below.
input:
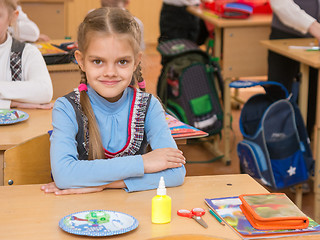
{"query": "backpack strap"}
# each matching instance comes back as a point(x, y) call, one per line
point(15, 59)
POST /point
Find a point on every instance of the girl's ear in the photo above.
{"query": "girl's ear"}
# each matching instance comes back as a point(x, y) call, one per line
point(80, 59)
point(14, 17)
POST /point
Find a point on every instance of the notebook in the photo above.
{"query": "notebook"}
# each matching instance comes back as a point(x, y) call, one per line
point(228, 208)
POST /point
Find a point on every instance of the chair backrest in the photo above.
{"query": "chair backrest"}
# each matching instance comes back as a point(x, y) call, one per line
point(28, 162)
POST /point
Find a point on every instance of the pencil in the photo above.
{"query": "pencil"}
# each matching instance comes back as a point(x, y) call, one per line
point(217, 217)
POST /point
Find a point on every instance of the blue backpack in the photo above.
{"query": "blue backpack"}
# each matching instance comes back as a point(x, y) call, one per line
point(275, 148)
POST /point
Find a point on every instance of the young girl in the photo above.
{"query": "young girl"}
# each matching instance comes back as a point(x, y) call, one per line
point(24, 80)
point(101, 130)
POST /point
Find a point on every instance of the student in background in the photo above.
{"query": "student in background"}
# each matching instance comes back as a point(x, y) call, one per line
point(24, 80)
point(26, 30)
point(124, 4)
point(177, 22)
point(101, 130)
point(294, 19)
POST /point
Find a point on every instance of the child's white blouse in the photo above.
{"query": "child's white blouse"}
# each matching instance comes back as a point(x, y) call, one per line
point(292, 15)
point(36, 85)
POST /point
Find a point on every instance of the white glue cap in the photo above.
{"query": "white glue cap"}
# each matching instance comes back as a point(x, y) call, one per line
point(161, 190)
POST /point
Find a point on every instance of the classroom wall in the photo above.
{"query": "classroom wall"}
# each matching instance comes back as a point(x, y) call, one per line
point(49, 15)
point(77, 10)
point(148, 11)
point(61, 18)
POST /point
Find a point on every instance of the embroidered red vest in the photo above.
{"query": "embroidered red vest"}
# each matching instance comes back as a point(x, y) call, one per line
point(136, 141)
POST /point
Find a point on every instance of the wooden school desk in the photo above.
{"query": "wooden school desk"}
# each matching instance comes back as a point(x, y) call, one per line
point(307, 59)
point(39, 122)
point(64, 77)
point(28, 213)
point(237, 44)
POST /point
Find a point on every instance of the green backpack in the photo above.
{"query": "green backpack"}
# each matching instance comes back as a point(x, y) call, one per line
point(187, 85)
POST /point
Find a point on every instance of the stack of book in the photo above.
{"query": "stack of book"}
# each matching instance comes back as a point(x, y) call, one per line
point(180, 130)
point(52, 54)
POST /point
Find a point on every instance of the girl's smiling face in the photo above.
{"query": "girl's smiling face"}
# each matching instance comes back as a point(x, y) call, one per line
point(8, 15)
point(108, 62)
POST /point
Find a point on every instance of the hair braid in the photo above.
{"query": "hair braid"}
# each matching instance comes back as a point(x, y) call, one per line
point(138, 77)
point(94, 133)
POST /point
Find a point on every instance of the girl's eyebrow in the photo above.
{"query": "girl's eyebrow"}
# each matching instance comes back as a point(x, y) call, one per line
point(125, 57)
point(93, 56)
point(101, 57)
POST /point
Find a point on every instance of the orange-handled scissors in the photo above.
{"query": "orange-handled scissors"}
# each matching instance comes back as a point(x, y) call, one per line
point(195, 213)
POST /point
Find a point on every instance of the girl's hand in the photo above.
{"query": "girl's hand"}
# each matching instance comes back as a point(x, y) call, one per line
point(43, 38)
point(161, 159)
point(31, 105)
point(314, 30)
point(52, 188)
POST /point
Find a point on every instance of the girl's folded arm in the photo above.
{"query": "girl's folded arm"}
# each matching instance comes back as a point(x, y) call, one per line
point(159, 136)
point(69, 171)
point(37, 85)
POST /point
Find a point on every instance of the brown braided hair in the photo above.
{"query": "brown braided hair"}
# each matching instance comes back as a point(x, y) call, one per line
point(138, 76)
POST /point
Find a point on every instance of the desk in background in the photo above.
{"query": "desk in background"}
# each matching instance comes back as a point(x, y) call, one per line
point(307, 59)
point(64, 77)
point(39, 122)
point(28, 213)
point(237, 44)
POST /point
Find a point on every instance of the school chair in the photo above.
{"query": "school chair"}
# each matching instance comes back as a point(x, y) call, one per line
point(28, 162)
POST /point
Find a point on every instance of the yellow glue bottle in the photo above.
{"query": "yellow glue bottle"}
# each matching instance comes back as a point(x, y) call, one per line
point(161, 205)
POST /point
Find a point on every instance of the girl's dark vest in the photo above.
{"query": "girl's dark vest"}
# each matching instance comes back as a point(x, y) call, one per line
point(137, 140)
point(311, 7)
point(15, 59)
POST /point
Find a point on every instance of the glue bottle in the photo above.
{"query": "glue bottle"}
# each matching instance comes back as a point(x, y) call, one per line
point(161, 205)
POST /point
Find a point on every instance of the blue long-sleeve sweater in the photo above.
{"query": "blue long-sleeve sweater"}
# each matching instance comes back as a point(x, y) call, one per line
point(70, 172)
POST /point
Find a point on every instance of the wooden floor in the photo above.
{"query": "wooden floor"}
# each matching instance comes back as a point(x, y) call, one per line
point(200, 161)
